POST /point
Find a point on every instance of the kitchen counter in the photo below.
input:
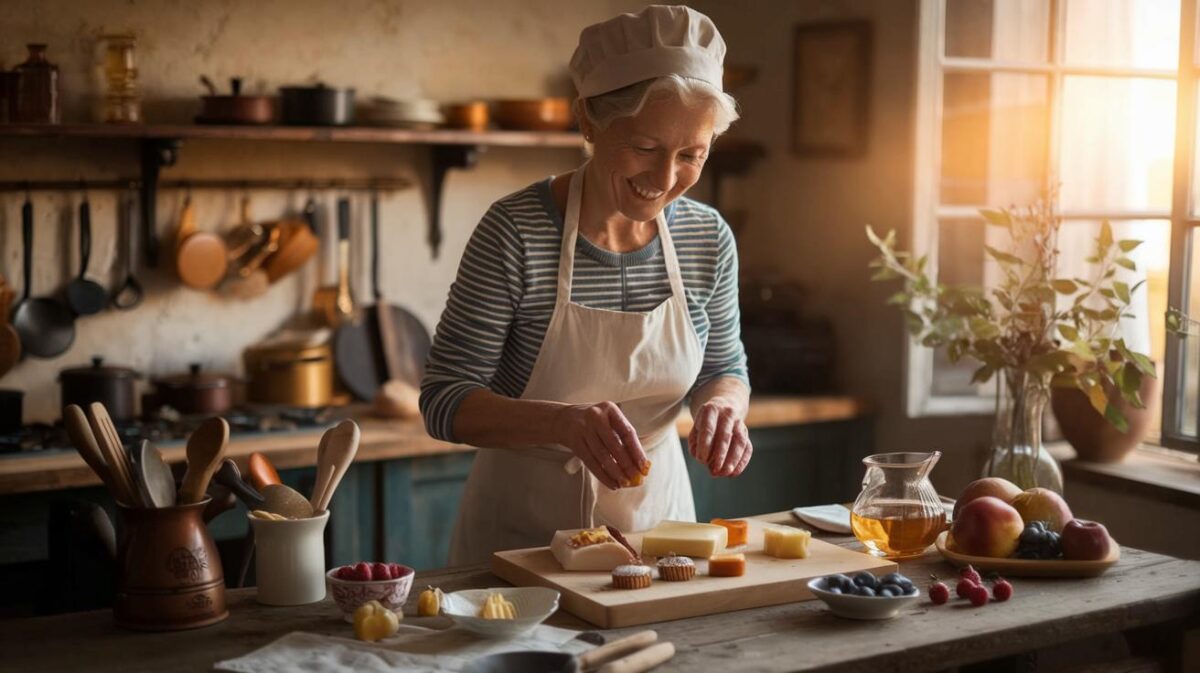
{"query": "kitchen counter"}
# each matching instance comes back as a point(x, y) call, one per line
point(1143, 590)
point(381, 440)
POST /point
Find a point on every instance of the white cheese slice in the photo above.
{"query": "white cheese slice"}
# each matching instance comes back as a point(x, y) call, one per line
point(685, 538)
point(601, 556)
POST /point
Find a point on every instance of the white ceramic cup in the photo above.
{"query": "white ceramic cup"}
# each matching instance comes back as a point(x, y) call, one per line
point(290, 559)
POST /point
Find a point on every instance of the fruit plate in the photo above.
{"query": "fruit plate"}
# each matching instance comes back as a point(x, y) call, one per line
point(1013, 567)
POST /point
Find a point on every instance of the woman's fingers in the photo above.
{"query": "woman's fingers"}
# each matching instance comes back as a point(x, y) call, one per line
point(722, 432)
point(739, 446)
point(605, 467)
point(746, 453)
point(702, 430)
point(607, 438)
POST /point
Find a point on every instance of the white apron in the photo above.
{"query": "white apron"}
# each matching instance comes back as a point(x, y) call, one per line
point(646, 363)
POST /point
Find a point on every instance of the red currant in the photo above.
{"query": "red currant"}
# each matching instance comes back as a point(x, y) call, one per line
point(1002, 590)
point(963, 590)
point(939, 593)
point(970, 573)
point(978, 594)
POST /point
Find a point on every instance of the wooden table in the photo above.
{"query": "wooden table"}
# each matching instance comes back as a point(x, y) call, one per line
point(1143, 590)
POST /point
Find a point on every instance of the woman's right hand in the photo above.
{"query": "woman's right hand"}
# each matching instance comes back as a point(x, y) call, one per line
point(601, 437)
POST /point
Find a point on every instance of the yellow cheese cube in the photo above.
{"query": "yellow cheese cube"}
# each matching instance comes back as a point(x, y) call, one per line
point(786, 542)
point(684, 538)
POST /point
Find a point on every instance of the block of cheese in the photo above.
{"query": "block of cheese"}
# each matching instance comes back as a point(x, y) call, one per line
point(588, 549)
point(684, 538)
point(739, 530)
point(786, 542)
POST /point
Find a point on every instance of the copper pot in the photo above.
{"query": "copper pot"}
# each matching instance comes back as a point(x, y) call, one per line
point(235, 108)
point(472, 116)
point(109, 385)
point(538, 114)
point(296, 370)
point(170, 571)
point(196, 391)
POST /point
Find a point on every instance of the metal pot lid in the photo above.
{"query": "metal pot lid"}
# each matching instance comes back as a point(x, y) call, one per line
point(99, 370)
point(195, 379)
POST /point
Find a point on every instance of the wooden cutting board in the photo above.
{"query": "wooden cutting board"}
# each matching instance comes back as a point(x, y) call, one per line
point(768, 581)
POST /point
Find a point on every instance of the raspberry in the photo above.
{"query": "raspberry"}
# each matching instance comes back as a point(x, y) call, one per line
point(345, 573)
point(939, 593)
point(379, 571)
point(362, 572)
point(978, 594)
point(398, 570)
point(1002, 590)
point(970, 573)
point(964, 587)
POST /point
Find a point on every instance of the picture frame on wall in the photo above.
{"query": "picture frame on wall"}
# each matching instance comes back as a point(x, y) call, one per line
point(831, 87)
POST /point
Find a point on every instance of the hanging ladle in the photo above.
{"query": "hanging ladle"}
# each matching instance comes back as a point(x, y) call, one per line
point(130, 294)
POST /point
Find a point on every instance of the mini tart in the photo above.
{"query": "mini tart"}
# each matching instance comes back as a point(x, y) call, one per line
point(631, 577)
point(674, 568)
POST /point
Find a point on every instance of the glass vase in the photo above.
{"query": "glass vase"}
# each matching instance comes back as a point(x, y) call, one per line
point(1017, 453)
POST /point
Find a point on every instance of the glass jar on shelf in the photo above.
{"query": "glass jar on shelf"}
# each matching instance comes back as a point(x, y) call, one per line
point(121, 103)
point(35, 91)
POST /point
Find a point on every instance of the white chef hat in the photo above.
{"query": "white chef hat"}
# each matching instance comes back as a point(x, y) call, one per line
point(660, 40)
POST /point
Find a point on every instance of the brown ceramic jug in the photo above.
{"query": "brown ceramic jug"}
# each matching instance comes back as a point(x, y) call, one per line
point(170, 571)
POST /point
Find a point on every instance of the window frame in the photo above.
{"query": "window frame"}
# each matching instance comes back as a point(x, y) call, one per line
point(928, 213)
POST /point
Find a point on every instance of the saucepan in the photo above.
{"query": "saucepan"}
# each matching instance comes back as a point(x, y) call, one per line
point(317, 105)
point(632, 654)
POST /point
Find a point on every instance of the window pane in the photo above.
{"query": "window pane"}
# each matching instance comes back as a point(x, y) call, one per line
point(1004, 30)
point(1117, 144)
point(1123, 33)
point(1189, 379)
point(994, 138)
point(960, 262)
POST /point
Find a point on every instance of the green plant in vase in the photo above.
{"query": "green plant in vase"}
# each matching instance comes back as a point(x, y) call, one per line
point(1031, 330)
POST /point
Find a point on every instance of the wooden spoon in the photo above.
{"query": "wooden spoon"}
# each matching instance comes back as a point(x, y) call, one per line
point(284, 500)
point(85, 443)
point(113, 451)
point(205, 449)
point(157, 484)
point(230, 477)
point(261, 471)
point(340, 446)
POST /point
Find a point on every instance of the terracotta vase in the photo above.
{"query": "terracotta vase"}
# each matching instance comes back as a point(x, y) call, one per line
point(1091, 435)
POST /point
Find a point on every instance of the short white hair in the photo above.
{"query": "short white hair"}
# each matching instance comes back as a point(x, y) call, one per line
point(605, 108)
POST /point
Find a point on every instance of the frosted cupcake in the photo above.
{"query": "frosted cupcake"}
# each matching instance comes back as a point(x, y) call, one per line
point(631, 577)
point(674, 568)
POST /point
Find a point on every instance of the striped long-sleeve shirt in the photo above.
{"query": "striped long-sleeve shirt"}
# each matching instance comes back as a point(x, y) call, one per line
point(501, 302)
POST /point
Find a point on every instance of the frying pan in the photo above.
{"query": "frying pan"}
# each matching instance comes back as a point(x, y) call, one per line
point(384, 342)
point(631, 654)
point(200, 256)
point(130, 293)
point(85, 296)
point(46, 327)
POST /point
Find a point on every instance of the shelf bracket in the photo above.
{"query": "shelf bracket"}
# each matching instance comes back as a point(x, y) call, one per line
point(443, 158)
point(156, 154)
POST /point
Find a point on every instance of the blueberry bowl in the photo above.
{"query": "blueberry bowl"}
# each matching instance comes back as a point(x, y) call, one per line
point(865, 596)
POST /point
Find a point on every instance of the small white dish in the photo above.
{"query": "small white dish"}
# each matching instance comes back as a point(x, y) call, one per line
point(861, 607)
point(533, 606)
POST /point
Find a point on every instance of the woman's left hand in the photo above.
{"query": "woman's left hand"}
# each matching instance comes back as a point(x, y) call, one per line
point(719, 439)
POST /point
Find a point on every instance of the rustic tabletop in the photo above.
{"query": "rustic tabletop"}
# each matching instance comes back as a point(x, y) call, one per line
point(1143, 589)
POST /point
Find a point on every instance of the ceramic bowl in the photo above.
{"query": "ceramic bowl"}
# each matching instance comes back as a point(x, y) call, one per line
point(861, 607)
point(533, 605)
point(349, 595)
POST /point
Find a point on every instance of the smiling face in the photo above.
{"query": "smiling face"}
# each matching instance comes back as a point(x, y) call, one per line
point(644, 162)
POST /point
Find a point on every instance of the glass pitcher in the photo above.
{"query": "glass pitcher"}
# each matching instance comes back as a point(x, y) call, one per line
point(898, 514)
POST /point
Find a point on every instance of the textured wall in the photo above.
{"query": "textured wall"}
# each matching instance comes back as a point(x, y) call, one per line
point(445, 51)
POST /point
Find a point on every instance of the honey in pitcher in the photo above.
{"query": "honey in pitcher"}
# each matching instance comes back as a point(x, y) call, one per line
point(898, 528)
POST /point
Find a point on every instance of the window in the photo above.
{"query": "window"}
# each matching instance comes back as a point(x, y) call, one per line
point(1015, 96)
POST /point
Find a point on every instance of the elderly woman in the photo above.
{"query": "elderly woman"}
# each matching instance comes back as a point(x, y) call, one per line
point(589, 306)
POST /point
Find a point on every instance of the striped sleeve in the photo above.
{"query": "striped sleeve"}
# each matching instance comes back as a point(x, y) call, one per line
point(479, 311)
point(724, 355)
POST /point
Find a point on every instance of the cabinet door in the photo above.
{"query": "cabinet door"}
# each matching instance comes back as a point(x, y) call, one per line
point(420, 505)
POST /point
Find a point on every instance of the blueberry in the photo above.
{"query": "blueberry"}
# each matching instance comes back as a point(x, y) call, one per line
point(891, 591)
point(834, 590)
point(866, 579)
point(1039, 525)
point(866, 591)
point(906, 585)
point(842, 580)
point(891, 578)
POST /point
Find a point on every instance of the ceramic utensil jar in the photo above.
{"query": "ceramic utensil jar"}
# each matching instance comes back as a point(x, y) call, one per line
point(170, 572)
point(898, 514)
point(290, 559)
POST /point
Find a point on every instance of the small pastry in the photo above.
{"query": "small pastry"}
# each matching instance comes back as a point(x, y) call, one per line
point(727, 565)
point(674, 568)
point(631, 577)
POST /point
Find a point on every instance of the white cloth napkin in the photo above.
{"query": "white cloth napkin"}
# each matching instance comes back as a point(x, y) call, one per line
point(413, 649)
point(829, 518)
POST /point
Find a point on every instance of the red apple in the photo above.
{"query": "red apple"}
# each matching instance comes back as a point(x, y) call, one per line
point(993, 486)
point(987, 526)
point(1042, 504)
point(1086, 541)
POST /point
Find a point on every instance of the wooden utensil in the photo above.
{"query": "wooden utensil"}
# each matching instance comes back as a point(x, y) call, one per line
point(603, 654)
point(284, 500)
point(632, 654)
point(261, 471)
point(85, 443)
point(340, 447)
point(230, 477)
point(84, 296)
point(334, 304)
point(205, 449)
point(114, 454)
point(643, 660)
point(156, 483)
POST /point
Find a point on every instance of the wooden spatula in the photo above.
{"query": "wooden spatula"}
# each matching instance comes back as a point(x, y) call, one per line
point(286, 501)
point(205, 450)
point(341, 445)
point(109, 442)
point(85, 443)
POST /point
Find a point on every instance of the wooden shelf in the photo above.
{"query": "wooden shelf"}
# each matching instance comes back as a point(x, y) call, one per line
point(352, 134)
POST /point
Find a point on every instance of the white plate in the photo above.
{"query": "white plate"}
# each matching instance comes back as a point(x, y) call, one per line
point(533, 605)
point(861, 607)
